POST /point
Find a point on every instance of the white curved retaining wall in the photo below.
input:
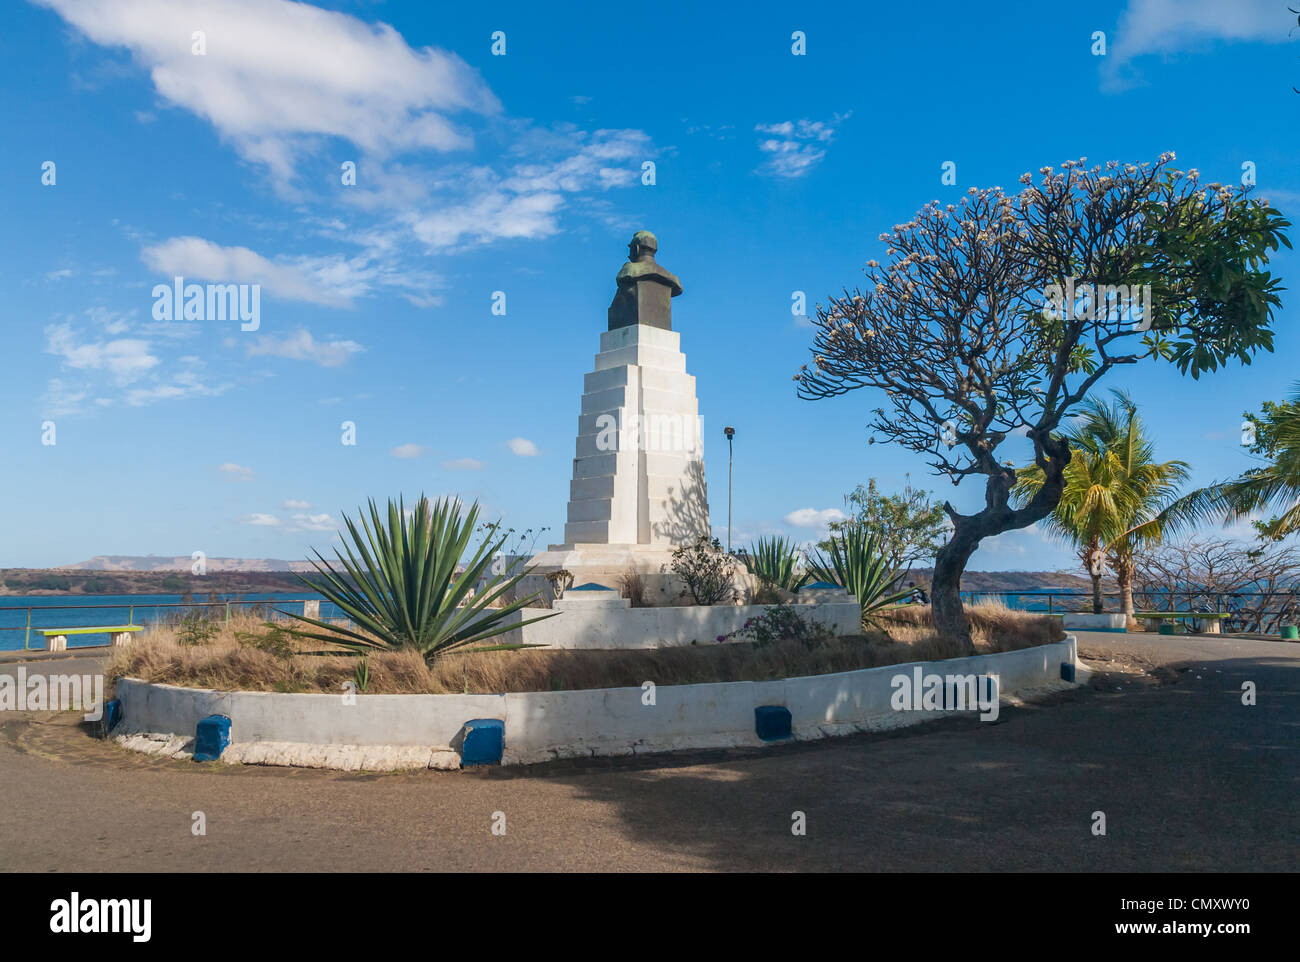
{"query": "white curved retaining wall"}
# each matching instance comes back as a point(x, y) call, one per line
point(540, 726)
point(615, 628)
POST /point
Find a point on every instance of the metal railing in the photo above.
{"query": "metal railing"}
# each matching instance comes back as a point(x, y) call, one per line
point(1250, 610)
point(28, 627)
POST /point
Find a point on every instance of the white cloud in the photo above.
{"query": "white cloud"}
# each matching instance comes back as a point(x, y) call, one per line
point(462, 464)
point(181, 387)
point(196, 258)
point(408, 451)
point(236, 472)
point(523, 447)
point(526, 202)
point(113, 322)
point(61, 398)
point(795, 147)
point(282, 82)
point(297, 522)
point(333, 280)
point(125, 359)
point(814, 518)
point(295, 505)
point(278, 76)
point(1018, 541)
point(314, 522)
point(491, 216)
point(1165, 26)
point(301, 346)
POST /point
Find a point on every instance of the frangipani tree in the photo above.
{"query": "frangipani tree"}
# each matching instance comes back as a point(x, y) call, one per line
point(996, 316)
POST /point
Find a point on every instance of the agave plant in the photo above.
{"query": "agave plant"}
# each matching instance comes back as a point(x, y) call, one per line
point(854, 561)
point(400, 587)
point(773, 562)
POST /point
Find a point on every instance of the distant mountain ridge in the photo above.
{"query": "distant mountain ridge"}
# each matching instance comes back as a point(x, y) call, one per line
point(1010, 582)
point(990, 581)
point(125, 562)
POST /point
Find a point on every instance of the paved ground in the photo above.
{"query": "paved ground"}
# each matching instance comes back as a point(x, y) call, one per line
point(1188, 778)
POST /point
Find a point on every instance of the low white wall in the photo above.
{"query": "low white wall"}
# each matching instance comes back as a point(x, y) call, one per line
point(616, 628)
point(263, 716)
point(540, 726)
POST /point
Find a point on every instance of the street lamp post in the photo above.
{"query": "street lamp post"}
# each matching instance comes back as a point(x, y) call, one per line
point(730, 432)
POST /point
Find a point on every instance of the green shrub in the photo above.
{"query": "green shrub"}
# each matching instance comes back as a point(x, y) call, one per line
point(275, 641)
point(706, 571)
point(195, 629)
point(784, 623)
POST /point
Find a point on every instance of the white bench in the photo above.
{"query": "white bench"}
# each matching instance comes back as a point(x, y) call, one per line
point(56, 639)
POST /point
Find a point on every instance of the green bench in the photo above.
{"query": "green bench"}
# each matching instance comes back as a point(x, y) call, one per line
point(1167, 618)
point(56, 639)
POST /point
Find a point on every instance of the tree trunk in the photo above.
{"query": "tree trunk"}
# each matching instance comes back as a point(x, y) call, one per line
point(1126, 594)
point(945, 592)
point(945, 596)
point(996, 517)
point(1096, 593)
point(1124, 571)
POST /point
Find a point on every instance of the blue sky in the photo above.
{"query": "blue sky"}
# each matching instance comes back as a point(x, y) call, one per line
point(522, 173)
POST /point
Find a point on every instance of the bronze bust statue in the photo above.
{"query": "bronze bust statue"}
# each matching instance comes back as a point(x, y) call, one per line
point(644, 288)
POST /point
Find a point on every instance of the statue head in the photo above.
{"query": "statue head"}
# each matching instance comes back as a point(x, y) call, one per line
point(643, 247)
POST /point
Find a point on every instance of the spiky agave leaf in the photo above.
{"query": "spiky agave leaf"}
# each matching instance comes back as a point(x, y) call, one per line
point(399, 586)
point(774, 561)
point(854, 561)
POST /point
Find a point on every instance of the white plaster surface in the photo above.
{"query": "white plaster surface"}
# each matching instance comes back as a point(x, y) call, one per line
point(1087, 621)
point(650, 490)
point(622, 628)
point(399, 730)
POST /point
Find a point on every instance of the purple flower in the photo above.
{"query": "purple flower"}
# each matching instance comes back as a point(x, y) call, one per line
point(722, 637)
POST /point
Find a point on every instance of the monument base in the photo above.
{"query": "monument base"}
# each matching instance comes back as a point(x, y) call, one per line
point(607, 564)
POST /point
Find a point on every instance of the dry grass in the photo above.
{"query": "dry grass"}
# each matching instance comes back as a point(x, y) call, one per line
point(633, 586)
point(245, 655)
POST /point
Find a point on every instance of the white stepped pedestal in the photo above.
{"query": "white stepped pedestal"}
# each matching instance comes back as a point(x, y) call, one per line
point(638, 487)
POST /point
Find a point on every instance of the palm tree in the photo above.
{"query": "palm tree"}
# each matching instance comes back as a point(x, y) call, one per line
point(1274, 486)
point(1114, 493)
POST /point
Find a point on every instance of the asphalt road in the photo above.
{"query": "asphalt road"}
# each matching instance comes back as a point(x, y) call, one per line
point(1188, 777)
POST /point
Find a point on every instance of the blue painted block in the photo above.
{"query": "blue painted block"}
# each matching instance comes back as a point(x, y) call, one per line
point(211, 738)
point(959, 696)
point(772, 722)
point(485, 741)
point(990, 688)
point(113, 714)
point(1067, 671)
